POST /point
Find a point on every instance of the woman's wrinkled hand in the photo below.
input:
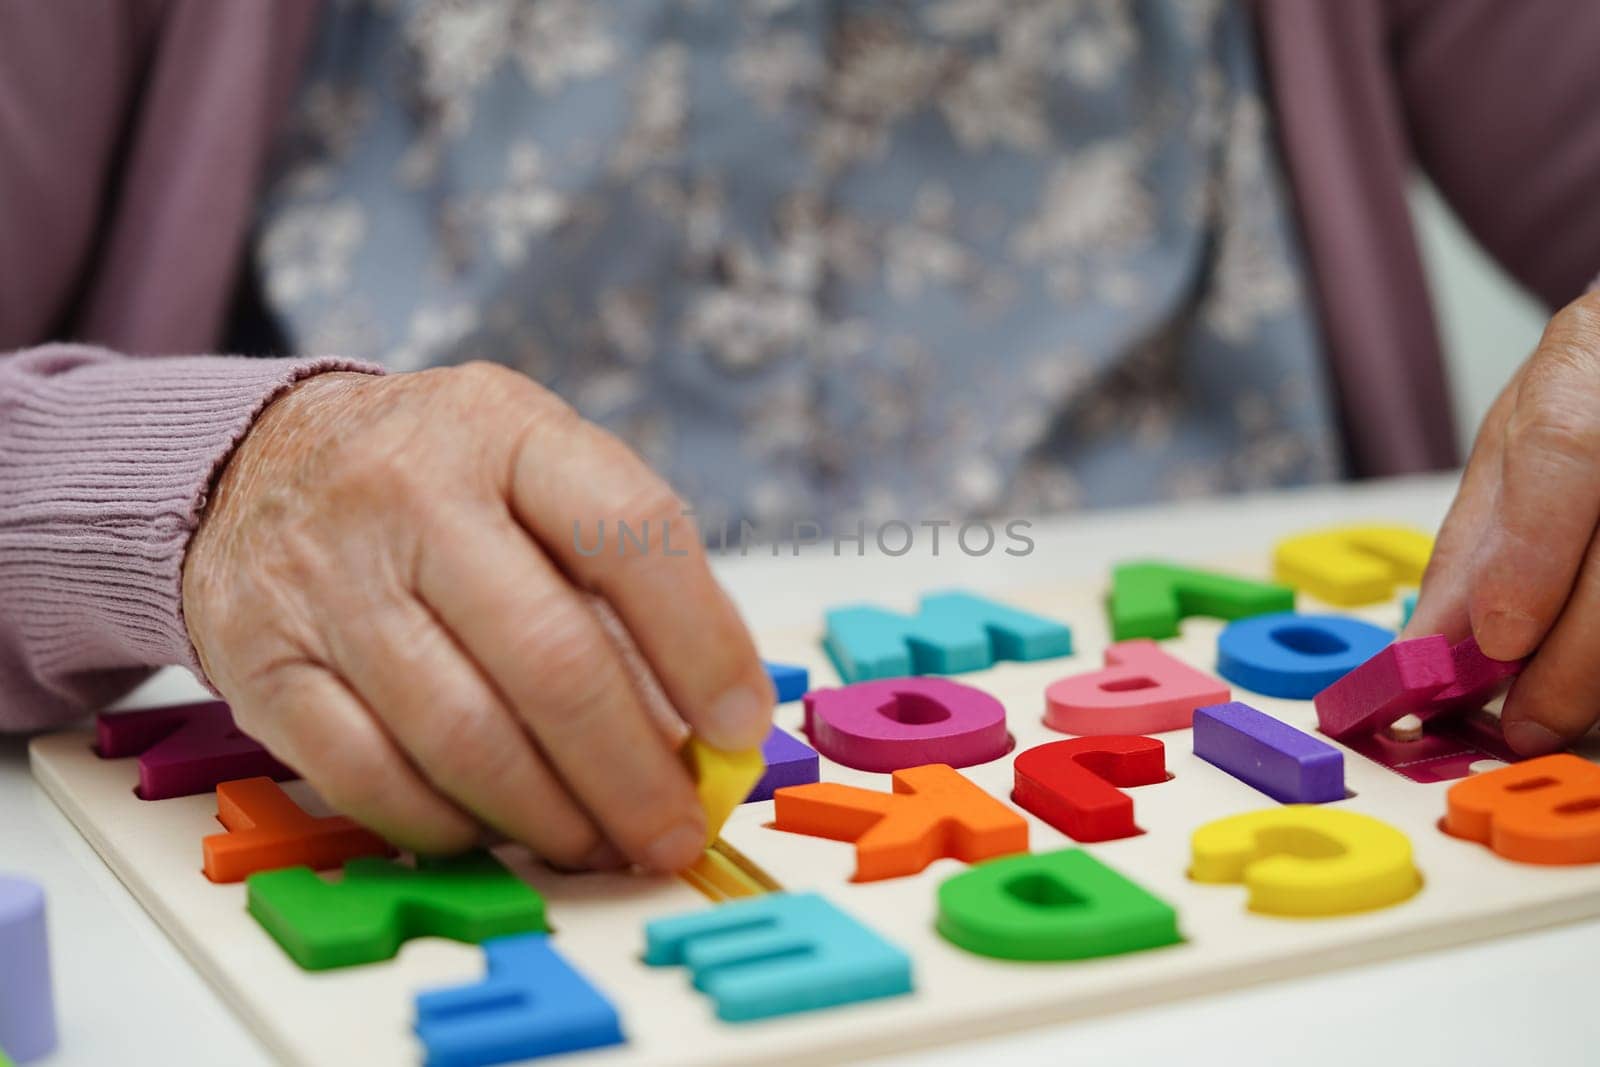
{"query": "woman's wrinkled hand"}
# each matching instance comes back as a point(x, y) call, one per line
point(1517, 563)
point(387, 588)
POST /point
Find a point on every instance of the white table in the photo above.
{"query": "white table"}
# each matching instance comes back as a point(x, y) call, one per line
point(126, 996)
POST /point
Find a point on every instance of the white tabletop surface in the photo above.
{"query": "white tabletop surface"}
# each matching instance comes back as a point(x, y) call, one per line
point(125, 995)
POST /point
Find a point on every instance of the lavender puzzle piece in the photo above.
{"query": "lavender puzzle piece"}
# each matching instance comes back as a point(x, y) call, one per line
point(790, 761)
point(185, 748)
point(27, 1005)
point(1289, 766)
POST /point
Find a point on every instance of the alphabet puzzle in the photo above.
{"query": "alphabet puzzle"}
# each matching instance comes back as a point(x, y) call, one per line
point(975, 814)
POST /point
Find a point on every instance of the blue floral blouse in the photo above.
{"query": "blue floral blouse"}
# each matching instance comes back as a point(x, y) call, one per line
point(825, 261)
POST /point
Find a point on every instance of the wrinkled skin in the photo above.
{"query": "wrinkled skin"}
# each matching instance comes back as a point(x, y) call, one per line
point(386, 587)
point(1517, 562)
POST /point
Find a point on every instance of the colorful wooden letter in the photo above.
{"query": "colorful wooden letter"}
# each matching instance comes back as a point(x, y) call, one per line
point(1353, 565)
point(933, 812)
point(268, 830)
point(789, 761)
point(1073, 785)
point(1063, 905)
point(951, 633)
point(1296, 656)
point(184, 749)
point(27, 1001)
point(1302, 859)
point(1399, 680)
point(721, 780)
point(531, 1003)
point(778, 954)
point(788, 681)
point(906, 722)
point(1546, 810)
point(381, 904)
point(1268, 754)
point(1478, 680)
point(1149, 599)
point(1141, 691)
point(1424, 676)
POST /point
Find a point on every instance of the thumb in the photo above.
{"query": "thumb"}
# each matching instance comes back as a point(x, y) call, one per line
point(1547, 495)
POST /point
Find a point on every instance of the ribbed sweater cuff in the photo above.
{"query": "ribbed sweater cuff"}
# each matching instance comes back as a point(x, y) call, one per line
point(105, 465)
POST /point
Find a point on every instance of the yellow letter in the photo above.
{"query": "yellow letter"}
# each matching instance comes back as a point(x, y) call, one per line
point(1307, 859)
point(1353, 565)
point(721, 779)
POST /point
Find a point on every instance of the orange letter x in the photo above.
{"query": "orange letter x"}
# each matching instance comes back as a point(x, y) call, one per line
point(268, 830)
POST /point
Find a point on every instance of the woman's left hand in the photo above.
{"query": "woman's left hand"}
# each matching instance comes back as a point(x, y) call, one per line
point(1517, 562)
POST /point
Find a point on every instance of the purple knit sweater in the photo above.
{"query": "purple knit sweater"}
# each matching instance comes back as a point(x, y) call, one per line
point(104, 467)
point(133, 136)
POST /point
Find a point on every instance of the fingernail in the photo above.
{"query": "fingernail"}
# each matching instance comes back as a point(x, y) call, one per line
point(1529, 738)
point(1507, 634)
point(739, 718)
point(605, 857)
point(677, 848)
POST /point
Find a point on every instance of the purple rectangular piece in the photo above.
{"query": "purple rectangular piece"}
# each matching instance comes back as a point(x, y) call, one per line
point(1289, 766)
point(789, 762)
point(1445, 752)
point(1400, 680)
point(184, 749)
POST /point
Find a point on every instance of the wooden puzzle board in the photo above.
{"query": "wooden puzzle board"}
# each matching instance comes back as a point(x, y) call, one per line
point(363, 1014)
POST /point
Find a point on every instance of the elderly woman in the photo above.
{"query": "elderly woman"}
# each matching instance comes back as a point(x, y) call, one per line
point(813, 262)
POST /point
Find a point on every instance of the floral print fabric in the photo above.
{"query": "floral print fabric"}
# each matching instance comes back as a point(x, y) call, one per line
point(817, 260)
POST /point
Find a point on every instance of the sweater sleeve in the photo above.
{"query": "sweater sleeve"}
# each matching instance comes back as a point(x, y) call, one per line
point(1500, 99)
point(105, 464)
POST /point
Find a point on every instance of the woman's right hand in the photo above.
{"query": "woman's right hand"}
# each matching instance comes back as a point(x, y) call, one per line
point(387, 588)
